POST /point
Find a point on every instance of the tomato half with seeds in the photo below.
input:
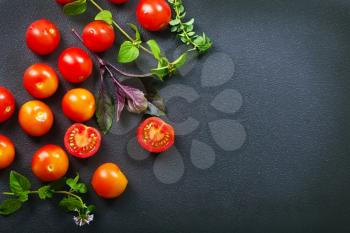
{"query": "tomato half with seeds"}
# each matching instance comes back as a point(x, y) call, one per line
point(50, 163)
point(155, 135)
point(82, 141)
point(43, 37)
point(35, 118)
point(7, 152)
point(7, 104)
point(40, 80)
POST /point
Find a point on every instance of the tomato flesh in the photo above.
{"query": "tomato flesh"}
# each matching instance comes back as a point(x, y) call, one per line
point(7, 104)
point(155, 136)
point(82, 141)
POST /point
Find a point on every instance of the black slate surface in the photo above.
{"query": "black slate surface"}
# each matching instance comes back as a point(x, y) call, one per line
point(292, 62)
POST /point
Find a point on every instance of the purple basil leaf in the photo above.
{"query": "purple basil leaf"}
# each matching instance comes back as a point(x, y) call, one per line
point(136, 100)
point(120, 102)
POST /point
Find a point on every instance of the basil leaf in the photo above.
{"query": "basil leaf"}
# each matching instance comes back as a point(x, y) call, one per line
point(128, 52)
point(10, 206)
point(105, 16)
point(160, 72)
point(135, 98)
point(23, 196)
point(19, 183)
point(75, 8)
point(180, 61)
point(105, 111)
point(45, 192)
point(136, 30)
point(71, 204)
point(121, 102)
point(156, 51)
point(153, 110)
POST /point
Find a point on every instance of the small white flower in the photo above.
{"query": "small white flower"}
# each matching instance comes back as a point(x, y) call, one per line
point(82, 220)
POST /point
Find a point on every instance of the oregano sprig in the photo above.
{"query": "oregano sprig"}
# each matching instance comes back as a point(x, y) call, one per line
point(185, 29)
point(20, 190)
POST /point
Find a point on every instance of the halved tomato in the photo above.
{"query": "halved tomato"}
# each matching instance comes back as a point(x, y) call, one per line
point(155, 136)
point(82, 141)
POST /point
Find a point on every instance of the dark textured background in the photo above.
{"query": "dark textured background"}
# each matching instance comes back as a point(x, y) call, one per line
point(293, 69)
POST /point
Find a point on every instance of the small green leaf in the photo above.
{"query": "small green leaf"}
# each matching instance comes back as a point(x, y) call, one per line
point(23, 196)
point(90, 209)
point(105, 16)
point(10, 206)
point(75, 8)
point(160, 72)
point(180, 61)
point(156, 51)
point(19, 183)
point(105, 111)
point(81, 188)
point(136, 30)
point(190, 22)
point(71, 204)
point(175, 22)
point(45, 192)
point(128, 52)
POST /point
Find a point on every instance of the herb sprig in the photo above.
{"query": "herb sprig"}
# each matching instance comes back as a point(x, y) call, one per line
point(130, 49)
point(20, 190)
point(185, 29)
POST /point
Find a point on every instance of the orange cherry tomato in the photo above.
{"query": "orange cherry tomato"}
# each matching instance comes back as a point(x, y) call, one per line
point(108, 181)
point(7, 152)
point(35, 118)
point(79, 105)
point(40, 81)
point(50, 163)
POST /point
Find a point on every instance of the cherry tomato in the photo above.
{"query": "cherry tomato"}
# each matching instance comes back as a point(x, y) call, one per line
point(63, 2)
point(118, 1)
point(153, 15)
point(7, 104)
point(108, 181)
point(155, 136)
point(82, 141)
point(40, 81)
point(75, 65)
point(7, 152)
point(35, 118)
point(78, 105)
point(50, 163)
point(43, 37)
point(98, 36)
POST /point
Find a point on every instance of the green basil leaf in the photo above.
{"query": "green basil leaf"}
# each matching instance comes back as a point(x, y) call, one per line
point(105, 111)
point(136, 30)
point(160, 72)
point(19, 183)
point(10, 206)
point(180, 61)
point(81, 188)
point(23, 196)
point(45, 192)
point(75, 8)
point(105, 16)
point(128, 52)
point(156, 51)
point(90, 209)
point(71, 204)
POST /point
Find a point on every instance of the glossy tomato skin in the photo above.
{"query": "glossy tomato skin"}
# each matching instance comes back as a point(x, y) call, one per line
point(153, 15)
point(82, 141)
point(63, 2)
point(43, 37)
point(98, 36)
point(7, 104)
point(50, 163)
point(35, 118)
point(75, 65)
point(108, 181)
point(155, 135)
point(118, 1)
point(7, 152)
point(79, 105)
point(40, 80)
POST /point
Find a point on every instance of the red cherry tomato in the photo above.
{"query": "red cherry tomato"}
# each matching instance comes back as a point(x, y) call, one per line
point(118, 1)
point(75, 65)
point(7, 152)
point(108, 181)
point(155, 136)
point(43, 37)
point(98, 36)
point(35, 118)
point(40, 81)
point(63, 2)
point(50, 163)
point(79, 105)
point(7, 104)
point(82, 141)
point(153, 15)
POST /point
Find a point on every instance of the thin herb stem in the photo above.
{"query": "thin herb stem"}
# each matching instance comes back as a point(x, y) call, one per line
point(128, 74)
point(121, 29)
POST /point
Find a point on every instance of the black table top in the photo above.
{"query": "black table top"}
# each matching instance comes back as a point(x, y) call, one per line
point(263, 124)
